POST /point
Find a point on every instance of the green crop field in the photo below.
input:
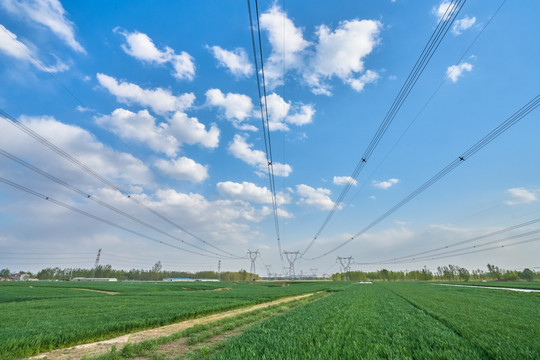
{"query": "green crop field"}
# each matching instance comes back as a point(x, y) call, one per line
point(399, 321)
point(41, 316)
point(396, 320)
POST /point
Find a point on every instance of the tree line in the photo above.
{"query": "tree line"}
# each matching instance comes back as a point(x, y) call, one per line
point(447, 273)
point(154, 274)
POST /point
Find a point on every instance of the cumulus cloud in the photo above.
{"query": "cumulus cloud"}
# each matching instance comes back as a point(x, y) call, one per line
point(385, 184)
point(318, 197)
point(284, 54)
point(183, 168)
point(236, 107)
point(79, 143)
point(220, 216)
point(190, 131)
point(162, 137)
point(160, 100)
point(281, 113)
point(338, 53)
point(141, 47)
point(250, 192)
point(235, 61)
point(10, 46)
point(463, 24)
point(454, 72)
point(141, 127)
point(341, 53)
point(444, 10)
point(520, 196)
point(49, 13)
point(240, 149)
point(342, 180)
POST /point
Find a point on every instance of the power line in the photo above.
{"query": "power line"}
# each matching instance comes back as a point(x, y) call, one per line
point(427, 257)
point(512, 120)
point(411, 123)
point(93, 198)
point(427, 53)
point(10, 119)
point(82, 212)
point(264, 117)
point(498, 232)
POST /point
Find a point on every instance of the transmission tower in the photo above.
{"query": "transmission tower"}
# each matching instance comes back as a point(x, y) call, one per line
point(269, 270)
point(291, 256)
point(97, 262)
point(219, 269)
point(314, 271)
point(345, 263)
point(253, 256)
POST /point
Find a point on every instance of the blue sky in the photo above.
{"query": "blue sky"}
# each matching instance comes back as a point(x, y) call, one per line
point(161, 99)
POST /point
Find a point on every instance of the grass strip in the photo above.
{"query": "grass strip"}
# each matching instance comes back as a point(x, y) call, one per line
point(202, 332)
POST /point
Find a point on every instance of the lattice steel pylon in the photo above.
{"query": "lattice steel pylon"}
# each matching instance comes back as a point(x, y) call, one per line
point(291, 256)
point(345, 263)
point(97, 263)
point(253, 256)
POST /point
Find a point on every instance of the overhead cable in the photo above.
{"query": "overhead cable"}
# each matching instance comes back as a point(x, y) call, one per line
point(263, 105)
point(10, 119)
point(445, 23)
point(105, 221)
point(512, 120)
point(102, 203)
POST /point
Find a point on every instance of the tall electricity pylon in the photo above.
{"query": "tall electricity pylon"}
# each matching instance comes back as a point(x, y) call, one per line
point(97, 262)
point(291, 256)
point(253, 256)
point(345, 263)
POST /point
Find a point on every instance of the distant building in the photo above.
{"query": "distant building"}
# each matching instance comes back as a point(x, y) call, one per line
point(20, 277)
point(94, 279)
point(178, 279)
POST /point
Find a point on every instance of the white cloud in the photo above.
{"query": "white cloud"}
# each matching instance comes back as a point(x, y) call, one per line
point(445, 9)
point(520, 196)
point(190, 131)
point(368, 77)
point(385, 184)
point(338, 53)
point(236, 107)
point(236, 61)
point(217, 217)
point(79, 143)
point(314, 197)
point(280, 114)
point(48, 13)
point(454, 72)
point(141, 47)
point(341, 53)
point(463, 24)
point(243, 151)
point(342, 180)
point(141, 127)
point(183, 168)
point(160, 100)
point(285, 54)
point(250, 192)
point(10, 46)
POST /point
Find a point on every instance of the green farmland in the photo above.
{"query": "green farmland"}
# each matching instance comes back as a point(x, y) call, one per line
point(397, 320)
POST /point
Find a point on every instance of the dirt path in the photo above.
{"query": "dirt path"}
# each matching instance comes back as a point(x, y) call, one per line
point(101, 347)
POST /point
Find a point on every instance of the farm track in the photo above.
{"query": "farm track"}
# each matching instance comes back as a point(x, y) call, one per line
point(102, 347)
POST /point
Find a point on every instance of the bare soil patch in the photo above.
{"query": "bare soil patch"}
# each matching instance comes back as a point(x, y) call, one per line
point(98, 291)
point(101, 347)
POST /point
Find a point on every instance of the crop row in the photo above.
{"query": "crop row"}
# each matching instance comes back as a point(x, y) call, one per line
point(399, 321)
point(59, 315)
